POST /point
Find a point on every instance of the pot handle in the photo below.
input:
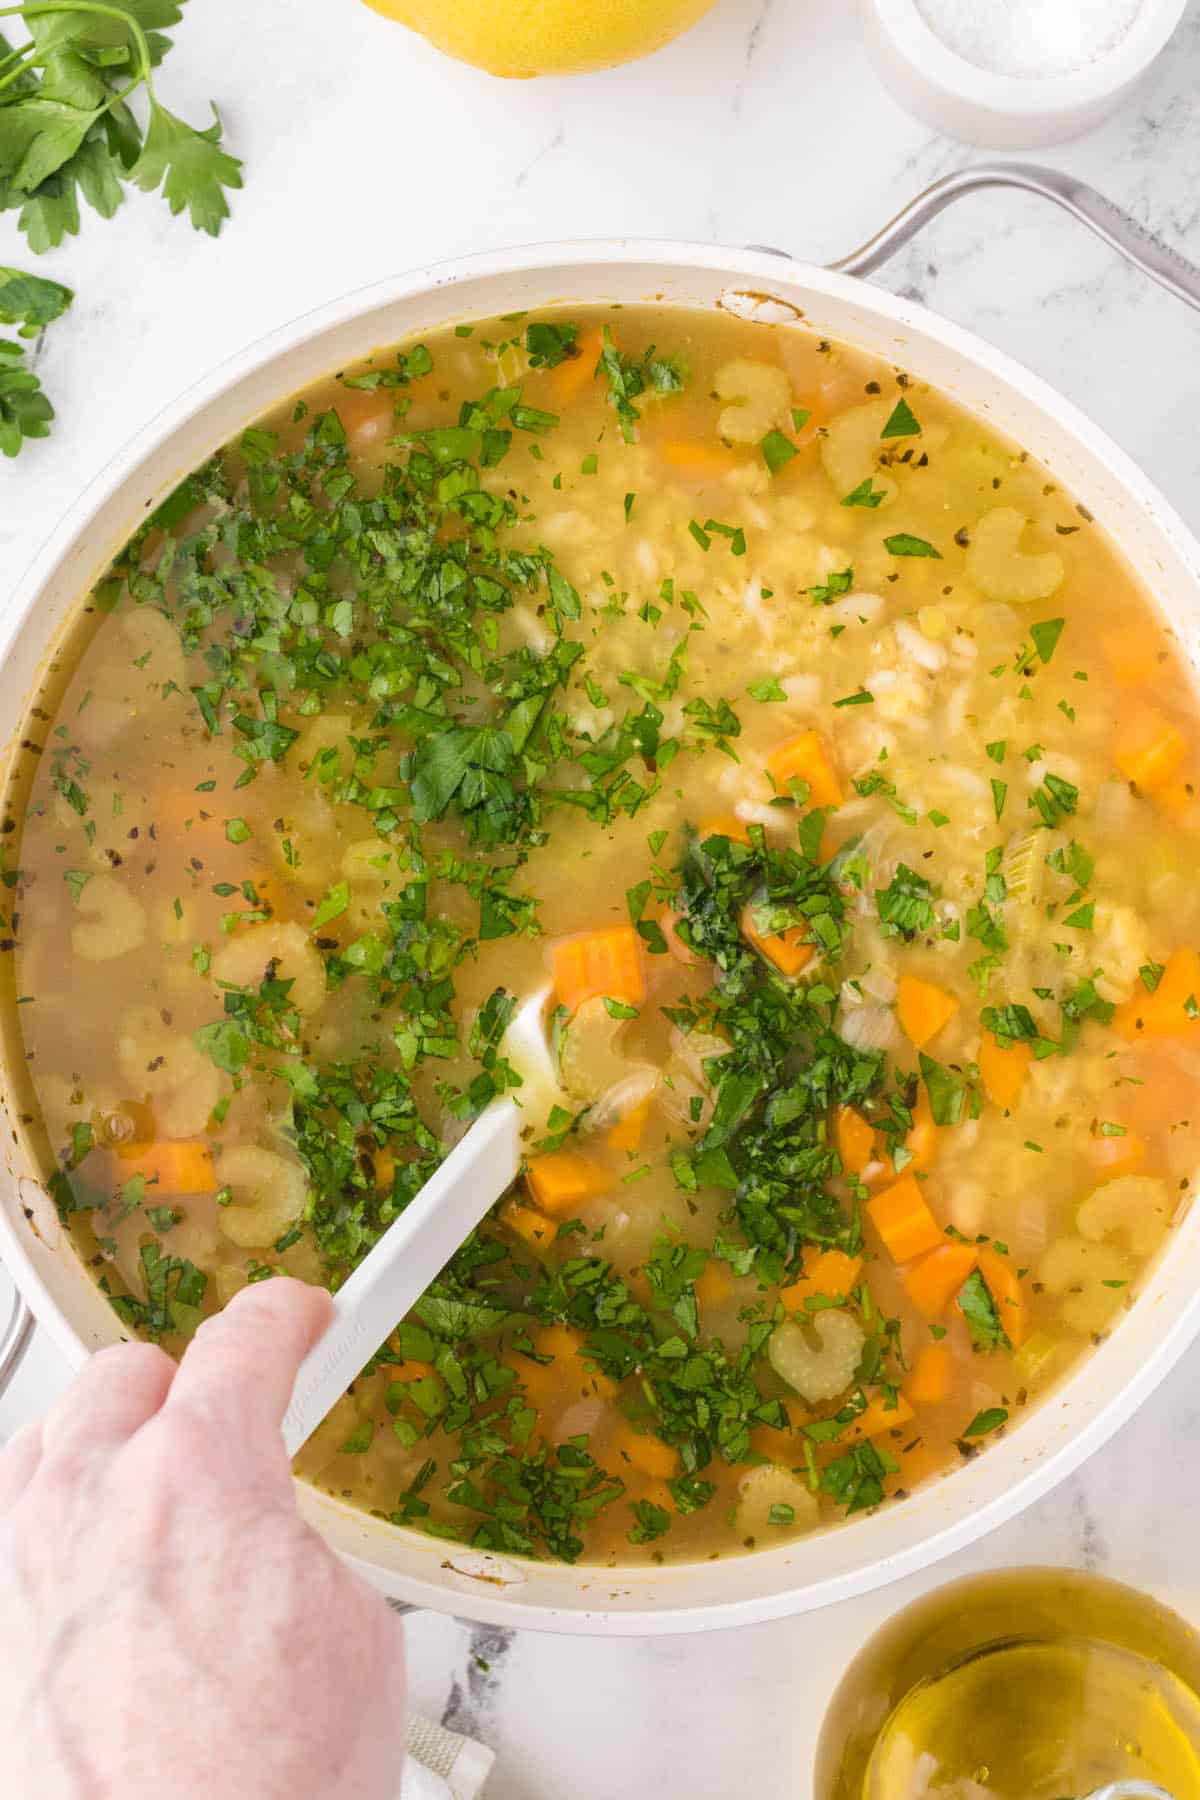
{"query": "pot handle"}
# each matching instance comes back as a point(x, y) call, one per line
point(15, 1339)
point(1110, 222)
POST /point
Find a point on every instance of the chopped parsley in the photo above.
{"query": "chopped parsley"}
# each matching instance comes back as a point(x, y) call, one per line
point(832, 588)
point(905, 906)
point(979, 1309)
point(984, 1423)
point(900, 422)
point(903, 543)
point(777, 450)
point(865, 494)
point(1045, 637)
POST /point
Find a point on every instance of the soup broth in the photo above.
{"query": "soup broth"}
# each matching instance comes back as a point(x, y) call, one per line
point(793, 751)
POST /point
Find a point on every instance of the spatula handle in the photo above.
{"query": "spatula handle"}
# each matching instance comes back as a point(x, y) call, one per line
point(409, 1255)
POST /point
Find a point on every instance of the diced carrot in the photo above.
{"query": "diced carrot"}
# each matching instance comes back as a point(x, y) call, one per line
point(565, 1177)
point(935, 1280)
point(557, 1340)
point(901, 1216)
point(1148, 749)
point(649, 1454)
point(566, 382)
point(368, 417)
point(171, 1167)
point(605, 962)
point(726, 825)
point(782, 1447)
point(853, 1139)
point(668, 920)
point(830, 1273)
point(923, 1009)
point(789, 950)
point(385, 1169)
point(715, 1284)
point(921, 1142)
point(879, 1417)
point(543, 1381)
point(1131, 653)
point(832, 1270)
point(568, 1376)
point(1002, 1069)
point(627, 1133)
point(929, 1382)
point(1005, 1290)
point(532, 1376)
point(1117, 1155)
point(702, 462)
point(806, 757)
point(527, 1222)
point(1172, 1010)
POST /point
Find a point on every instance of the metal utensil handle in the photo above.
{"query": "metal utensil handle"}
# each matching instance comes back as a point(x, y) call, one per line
point(1110, 222)
point(14, 1339)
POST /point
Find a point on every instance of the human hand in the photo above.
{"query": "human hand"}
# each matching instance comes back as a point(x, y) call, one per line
point(168, 1625)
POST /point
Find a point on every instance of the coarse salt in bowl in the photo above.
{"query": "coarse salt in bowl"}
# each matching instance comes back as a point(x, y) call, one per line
point(1019, 74)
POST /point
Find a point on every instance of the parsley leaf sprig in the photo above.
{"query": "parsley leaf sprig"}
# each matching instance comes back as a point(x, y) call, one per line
point(30, 303)
point(628, 378)
point(67, 130)
point(66, 127)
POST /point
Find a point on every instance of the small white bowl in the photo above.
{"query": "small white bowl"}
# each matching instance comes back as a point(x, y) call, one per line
point(1007, 112)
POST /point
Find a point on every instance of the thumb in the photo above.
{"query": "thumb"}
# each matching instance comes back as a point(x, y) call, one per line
point(239, 1369)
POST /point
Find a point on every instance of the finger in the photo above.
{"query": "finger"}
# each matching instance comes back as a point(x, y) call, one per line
point(240, 1368)
point(19, 1461)
point(113, 1395)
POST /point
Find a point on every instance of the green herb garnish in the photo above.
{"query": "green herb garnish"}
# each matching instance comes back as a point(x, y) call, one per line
point(901, 422)
point(67, 130)
point(903, 543)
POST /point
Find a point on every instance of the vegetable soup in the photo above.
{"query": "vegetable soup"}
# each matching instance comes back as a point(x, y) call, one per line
point(797, 746)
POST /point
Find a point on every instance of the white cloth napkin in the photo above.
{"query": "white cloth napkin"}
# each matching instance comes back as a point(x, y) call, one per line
point(442, 1765)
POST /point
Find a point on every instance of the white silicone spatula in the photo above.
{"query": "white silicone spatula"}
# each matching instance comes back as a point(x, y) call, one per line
point(413, 1251)
point(1130, 1790)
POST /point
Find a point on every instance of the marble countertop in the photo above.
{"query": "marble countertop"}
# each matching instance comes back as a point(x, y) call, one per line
point(366, 152)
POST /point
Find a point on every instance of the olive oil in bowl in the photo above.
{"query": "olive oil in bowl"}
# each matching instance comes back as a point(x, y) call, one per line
point(1033, 1719)
point(1037, 1684)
